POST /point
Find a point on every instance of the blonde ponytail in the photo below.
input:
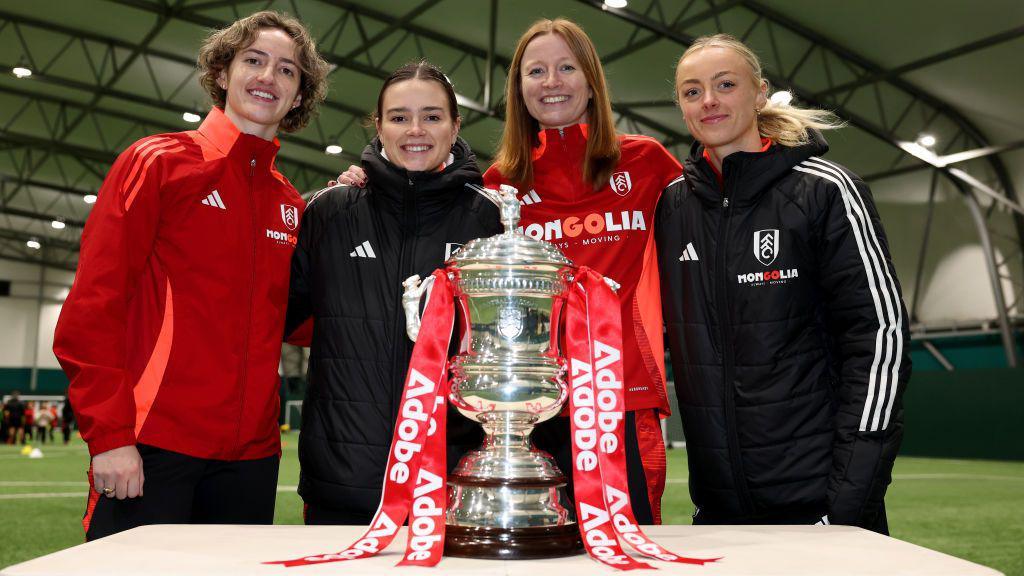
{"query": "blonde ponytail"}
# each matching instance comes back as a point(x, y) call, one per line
point(787, 125)
point(784, 124)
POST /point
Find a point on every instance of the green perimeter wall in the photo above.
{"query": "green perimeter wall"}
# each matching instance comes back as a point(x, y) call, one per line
point(970, 413)
point(49, 381)
point(976, 411)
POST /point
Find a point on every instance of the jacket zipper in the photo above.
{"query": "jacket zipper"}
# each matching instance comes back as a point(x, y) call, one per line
point(725, 334)
point(576, 194)
point(406, 247)
point(248, 324)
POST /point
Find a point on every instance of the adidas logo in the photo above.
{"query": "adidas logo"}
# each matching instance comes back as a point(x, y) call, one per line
point(363, 251)
point(530, 197)
point(689, 253)
point(214, 200)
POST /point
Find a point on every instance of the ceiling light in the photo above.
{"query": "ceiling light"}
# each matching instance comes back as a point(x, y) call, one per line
point(926, 140)
point(782, 98)
point(89, 198)
point(333, 150)
point(21, 72)
point(615, 3)
point(191, 117)
point(57, 224)
point(922, 153)
point(34, 244)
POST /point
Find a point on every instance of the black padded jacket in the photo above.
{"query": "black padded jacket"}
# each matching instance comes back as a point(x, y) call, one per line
point(788, 337)
point(355, 248)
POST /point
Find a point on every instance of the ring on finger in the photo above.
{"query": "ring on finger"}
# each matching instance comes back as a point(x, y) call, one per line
point(108, 491)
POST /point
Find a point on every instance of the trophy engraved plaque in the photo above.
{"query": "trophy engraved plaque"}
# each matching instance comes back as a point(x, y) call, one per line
point(507, 499)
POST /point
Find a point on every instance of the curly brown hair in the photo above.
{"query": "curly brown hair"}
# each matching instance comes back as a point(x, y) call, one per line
point(220, 47)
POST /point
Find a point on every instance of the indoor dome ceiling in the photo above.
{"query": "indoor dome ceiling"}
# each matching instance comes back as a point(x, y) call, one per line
point(106, 72)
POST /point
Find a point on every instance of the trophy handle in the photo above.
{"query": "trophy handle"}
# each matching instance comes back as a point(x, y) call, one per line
point(411, 297)
point(455, 398)
point(563, 397)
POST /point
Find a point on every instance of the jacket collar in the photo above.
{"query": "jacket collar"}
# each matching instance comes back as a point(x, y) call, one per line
point(422, 192)
point(575, 137)
point(747, 175)
point(229, 141)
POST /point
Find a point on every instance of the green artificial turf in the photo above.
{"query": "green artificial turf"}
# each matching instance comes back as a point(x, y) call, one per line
point(970, 509)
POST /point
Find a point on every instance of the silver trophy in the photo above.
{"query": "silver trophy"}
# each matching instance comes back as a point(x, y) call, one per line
point(507, 499)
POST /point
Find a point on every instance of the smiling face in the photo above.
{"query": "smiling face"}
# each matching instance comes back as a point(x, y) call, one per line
point(262, 83)
point(554, 87)
point(416, 127)
point(719, 98)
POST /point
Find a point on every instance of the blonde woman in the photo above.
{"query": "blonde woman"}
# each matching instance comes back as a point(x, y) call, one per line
point(786, 325)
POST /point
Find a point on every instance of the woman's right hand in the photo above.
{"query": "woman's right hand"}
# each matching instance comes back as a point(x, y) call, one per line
point(354, 176)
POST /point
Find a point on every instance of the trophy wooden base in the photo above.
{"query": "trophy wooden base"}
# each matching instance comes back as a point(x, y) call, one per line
point(513, 543)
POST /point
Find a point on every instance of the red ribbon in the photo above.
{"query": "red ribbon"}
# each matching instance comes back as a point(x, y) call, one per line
point(415, 478)
point(594, 348)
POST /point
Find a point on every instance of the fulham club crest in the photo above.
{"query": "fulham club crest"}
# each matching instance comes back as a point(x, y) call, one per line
point(621, 183)
point(766, 246)
point(290, 216)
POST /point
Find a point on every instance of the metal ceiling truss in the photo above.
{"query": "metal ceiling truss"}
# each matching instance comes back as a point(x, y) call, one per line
point(372, 42)
point(876, 100)
point(376, 55)
point(84, 129)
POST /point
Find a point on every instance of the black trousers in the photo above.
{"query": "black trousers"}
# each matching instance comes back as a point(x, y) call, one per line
point(181, 489)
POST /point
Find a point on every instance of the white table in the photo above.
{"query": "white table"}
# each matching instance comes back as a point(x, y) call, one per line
point(176, 550)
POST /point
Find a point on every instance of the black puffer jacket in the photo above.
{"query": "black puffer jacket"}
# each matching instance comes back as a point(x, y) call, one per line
point(788, 336)
point(355, 249)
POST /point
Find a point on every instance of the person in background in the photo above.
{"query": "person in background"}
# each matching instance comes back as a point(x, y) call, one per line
point(28, 422)
point(3, 423)
point(67, 418)
point(171, 335)
point(43, 421)
point(14, 412)
point(54, 418)
point(787, 328)
point(356, 248)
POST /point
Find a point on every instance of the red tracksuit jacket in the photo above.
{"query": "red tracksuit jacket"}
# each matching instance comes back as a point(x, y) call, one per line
point(608, 230)
point(171, 335)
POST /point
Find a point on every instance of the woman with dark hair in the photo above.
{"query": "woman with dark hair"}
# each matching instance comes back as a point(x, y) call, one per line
point(356, 248)
point(787, 328)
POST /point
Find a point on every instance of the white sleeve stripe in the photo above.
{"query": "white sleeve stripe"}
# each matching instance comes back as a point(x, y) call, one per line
point(679, 179)
point(870, 271)
point(895, 329)
point(872, 264)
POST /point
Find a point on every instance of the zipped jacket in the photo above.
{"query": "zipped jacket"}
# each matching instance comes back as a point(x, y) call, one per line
point(171, 334)
point(356, 248)
point(609, 230)
point(788, 337)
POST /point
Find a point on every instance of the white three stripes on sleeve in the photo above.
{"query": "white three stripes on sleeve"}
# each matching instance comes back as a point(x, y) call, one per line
point(888, 356)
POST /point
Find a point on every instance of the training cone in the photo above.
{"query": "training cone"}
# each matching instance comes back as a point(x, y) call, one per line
point(26, 450)
point(35, 453)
